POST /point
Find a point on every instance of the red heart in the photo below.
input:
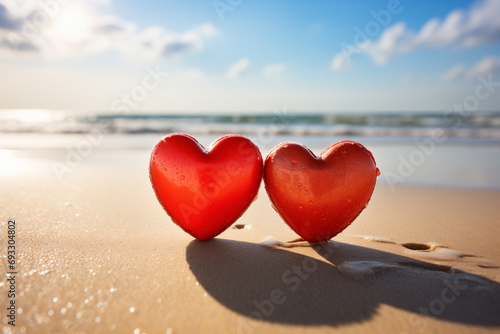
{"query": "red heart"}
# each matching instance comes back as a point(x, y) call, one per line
point(205, 191)
point(318, 197)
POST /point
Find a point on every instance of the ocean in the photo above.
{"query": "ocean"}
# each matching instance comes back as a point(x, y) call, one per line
point(445, 149)
point(484, 126)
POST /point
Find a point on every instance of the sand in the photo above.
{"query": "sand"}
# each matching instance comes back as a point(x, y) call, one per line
point(97, 254)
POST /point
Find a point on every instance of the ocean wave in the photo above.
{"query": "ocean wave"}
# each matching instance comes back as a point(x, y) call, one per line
point(374, 125)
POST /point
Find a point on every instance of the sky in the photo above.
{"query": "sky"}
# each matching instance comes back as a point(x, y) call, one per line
point(240, 56)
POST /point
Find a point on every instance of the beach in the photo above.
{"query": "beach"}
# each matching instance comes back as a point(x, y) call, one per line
point(97, 254)
point(132, 133)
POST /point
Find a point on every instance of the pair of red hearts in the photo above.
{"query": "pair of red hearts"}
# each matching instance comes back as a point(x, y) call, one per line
point(205, 190)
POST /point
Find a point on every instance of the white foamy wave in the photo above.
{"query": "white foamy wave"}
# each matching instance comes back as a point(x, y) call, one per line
point(486, 126)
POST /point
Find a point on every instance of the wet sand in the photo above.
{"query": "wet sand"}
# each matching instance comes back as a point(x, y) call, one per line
point(97, 254)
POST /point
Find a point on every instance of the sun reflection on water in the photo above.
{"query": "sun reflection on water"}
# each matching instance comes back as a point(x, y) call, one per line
point(29, 115)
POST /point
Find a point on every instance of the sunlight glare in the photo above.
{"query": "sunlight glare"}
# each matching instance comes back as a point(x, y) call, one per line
point(70, 22)
point(9, 165)
point(32, 115)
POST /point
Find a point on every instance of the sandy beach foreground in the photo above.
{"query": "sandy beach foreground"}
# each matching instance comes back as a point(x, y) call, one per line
point(97, 254)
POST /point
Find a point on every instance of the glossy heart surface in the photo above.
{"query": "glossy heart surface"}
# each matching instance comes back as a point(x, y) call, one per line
point(205, 190)
point(318, 197)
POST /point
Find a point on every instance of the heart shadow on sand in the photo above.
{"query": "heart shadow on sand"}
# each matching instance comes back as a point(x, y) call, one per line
point(347, 284)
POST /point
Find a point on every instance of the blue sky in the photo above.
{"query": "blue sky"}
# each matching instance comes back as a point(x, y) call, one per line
point(248, 55)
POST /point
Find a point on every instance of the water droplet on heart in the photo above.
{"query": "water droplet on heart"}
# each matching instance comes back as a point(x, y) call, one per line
point(286, 177)
point(352, 165)
point(349, 199)
point(344, 152)
point(301, 207)
point(378, 172)
point(294, 162)
point(299, 185)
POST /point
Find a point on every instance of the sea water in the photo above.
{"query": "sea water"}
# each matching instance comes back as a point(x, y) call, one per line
point(431, 149)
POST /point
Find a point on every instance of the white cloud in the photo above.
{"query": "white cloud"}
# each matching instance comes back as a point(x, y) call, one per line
point(238, 69)
point(478, 25)
point(453, 73)
point(29, 28)
point(272, 71)
point(341, 62)
point(485, 67)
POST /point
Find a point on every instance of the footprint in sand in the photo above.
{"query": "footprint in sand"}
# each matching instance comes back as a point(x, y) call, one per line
point(433, 251)
point(362, 268)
